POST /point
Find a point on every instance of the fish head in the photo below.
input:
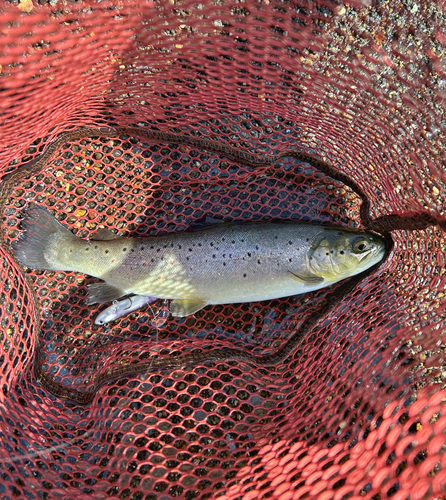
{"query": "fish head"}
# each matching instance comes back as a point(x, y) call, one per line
point(338, 254)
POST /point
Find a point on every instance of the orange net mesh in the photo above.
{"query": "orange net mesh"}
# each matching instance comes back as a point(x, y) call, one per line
point(357, 410)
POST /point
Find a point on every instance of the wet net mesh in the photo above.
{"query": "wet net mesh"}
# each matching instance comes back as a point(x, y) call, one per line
point(357, 410)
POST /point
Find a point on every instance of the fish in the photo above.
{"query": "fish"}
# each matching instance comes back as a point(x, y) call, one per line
point(120, 308)
point(222, 264)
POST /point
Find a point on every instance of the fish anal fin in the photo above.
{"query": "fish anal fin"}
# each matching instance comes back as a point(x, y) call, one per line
point(103, 292)
point(307, 277)
point(186, 307)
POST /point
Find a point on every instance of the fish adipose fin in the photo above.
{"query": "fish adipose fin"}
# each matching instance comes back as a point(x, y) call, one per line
point(104, 234)
point(307, 277)
point(103, 292)
point(33, 248)
point(186, 307)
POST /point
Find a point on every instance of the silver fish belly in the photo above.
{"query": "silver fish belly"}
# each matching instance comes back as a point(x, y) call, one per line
point(223, 264)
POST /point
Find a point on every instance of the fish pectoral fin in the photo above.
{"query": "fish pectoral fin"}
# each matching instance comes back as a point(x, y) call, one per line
point(186, 307)
point(307, 277)
point(103, 292)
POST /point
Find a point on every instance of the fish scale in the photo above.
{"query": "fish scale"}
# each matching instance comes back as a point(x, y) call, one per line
point(226, 263)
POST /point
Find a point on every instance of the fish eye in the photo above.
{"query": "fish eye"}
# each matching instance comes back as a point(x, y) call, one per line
point(360, 245)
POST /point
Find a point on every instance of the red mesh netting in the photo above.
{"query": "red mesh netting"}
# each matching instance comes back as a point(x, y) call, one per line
point(358, 410)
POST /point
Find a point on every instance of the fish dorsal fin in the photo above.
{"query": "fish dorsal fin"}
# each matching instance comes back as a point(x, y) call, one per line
point(206, 223)
point(307, 277)
point(103, 292)
point(104, 234)
point(186, 307)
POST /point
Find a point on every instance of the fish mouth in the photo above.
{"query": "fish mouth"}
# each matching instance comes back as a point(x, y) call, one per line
point(381, 250)
point(368, 254)
point(377, 253)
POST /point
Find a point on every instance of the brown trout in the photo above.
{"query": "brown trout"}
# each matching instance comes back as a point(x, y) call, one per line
point(222, 264)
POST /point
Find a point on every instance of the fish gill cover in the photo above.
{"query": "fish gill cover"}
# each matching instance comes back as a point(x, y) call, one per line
point(357, 410)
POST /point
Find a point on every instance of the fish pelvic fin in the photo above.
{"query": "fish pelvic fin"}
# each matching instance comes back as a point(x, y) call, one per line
point(35, 245)
point(186, 307)
point(307, 277)
point(103, 292)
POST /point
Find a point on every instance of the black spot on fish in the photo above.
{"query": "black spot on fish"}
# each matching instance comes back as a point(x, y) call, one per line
point(199, 244)
point(106, 251)
point(87, 248)
point(223, 239)
point(258, 262)
point(342, 252)
point(96, 246)
point(290, 260)
point(233, 241)
point(213, 256)
point(171, 245)
point(187, 258)
point(290, 242)
point(224, 263)
point(249, 255)
point(179, 246)
point(212, 244)
point(327, 254)
point(242, 240)
point(158, 249)
point(151, 247)
point(257, 247)
point(142, 248)
point(124, 249)
point(132, 250)
point(244, 275)
point(190, 249)
point(152, 260)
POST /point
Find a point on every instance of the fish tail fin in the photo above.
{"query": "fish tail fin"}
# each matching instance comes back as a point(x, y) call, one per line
point(33, 247)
